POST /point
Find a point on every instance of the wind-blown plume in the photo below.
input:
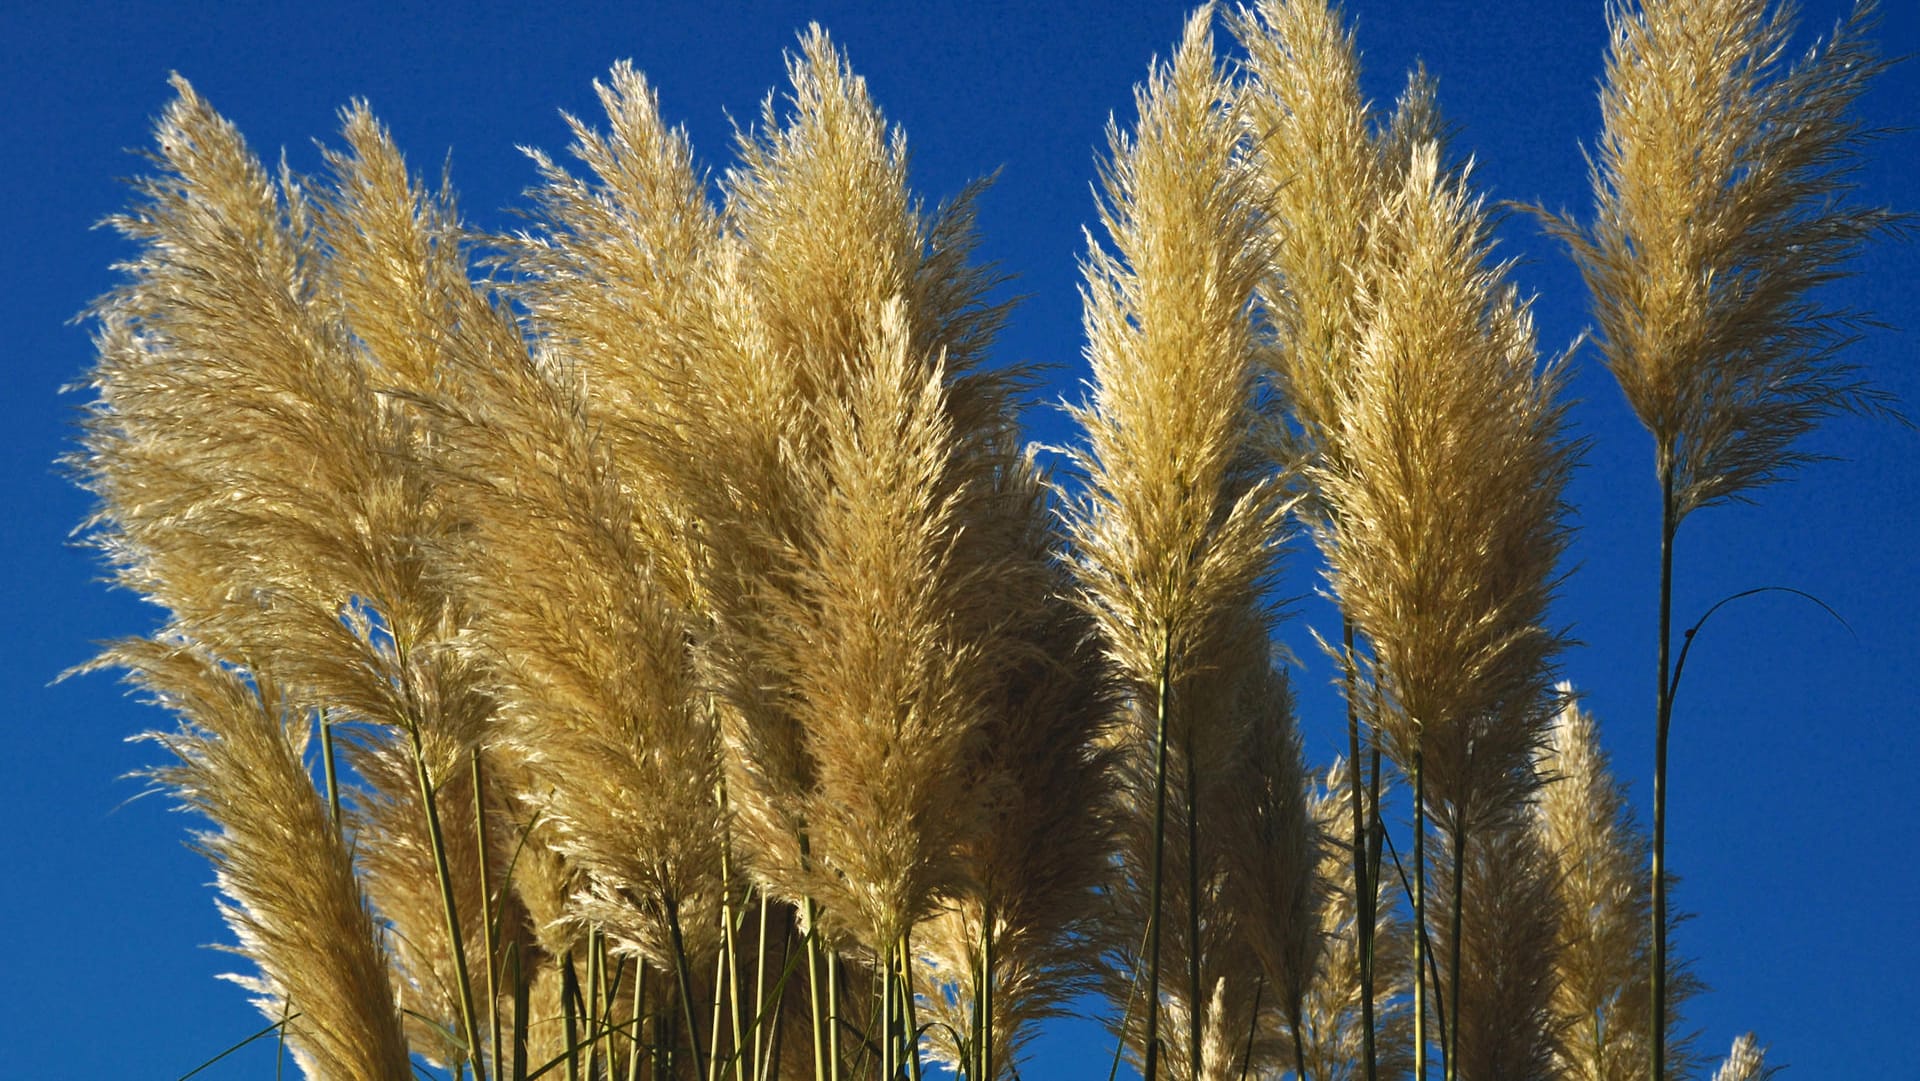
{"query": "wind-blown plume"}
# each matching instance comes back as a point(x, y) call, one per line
point(1719, 186)
point(285, 867)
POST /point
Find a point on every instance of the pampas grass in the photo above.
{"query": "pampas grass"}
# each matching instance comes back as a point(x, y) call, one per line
point(708, 683)
point(1720, 188)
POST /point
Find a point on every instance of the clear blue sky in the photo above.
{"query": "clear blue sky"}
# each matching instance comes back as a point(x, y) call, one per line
point(1794, 779)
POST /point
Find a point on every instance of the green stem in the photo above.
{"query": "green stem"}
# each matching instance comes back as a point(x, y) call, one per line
point(1362, 893)
point(1451, 1044)
point(437, 841)
point(684, 971)
point(909, 1014)
point(1196, 1001)
point(986, 994)
point(570, 1027)
point(1419, 917)
point(333, 780)
point(486, 901)
point(1663, 711)
point(816, 999)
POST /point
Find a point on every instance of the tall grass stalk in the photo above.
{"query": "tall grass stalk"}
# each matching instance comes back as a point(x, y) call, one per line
point(1720, 186)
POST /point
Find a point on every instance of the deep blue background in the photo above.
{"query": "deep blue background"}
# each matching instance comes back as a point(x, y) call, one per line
point(1795, 746)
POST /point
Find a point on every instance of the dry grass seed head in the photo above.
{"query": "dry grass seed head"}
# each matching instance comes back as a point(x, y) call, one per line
point(287, 872)
point(1721, 184)
point(1174, 533)
point(1451, 494)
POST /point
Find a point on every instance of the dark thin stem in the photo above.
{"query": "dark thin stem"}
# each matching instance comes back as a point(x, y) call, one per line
point(682, 970)
point(437, 841)
point(986, 994)
point(1253, 1027)
point(332, 778)
point(1663, 712)
point(1419, 917)
point(1196, 1018)
point(1152, 1050)
point(1362, 890)
point(570, 1027)
point(1451, 1045)
point(486, 901)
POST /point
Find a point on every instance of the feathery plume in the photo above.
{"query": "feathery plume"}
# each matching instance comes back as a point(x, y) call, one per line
point(1747, 1061)
point(1721, 185)
point(1507, 1029)
point(1587, 830)
point(1449, 488)
point(286, 869)
point(1174, 535)
point(1015, 945)
point(1451, 497)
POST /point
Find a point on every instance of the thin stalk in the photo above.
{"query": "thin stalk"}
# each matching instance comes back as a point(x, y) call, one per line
point(332, 778)
point(486, 901)
point(1253, 1027)
point(1196, 1003)
point(833, 1015)
point(729, 948)
point(639, 1020)
point(1419, 917)
point(521, 1001)
point(686, 984)
point(1663, 710)
point(715, 1067)
point(986, 994)
point(770, 1066)
point(437, 841)
point(570, 1028)
point(1451, 1044)
point(887, 1010)
point(817, 1017)
point(596, 984)
point(909, 1014)
point(760, 988)
point(1362, 893)
point(1152, 1071)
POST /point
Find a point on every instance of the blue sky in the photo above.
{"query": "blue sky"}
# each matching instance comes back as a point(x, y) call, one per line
point(1793, 781)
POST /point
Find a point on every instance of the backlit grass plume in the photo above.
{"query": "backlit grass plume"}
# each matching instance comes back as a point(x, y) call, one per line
point(1334, 1029)
point(1325, 166)
point(1017, 943)
point(1721, 186)
point(1173, 537)
point(1600, 854)
point(1450, 527)
point(286, 868)
point(254, 482)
